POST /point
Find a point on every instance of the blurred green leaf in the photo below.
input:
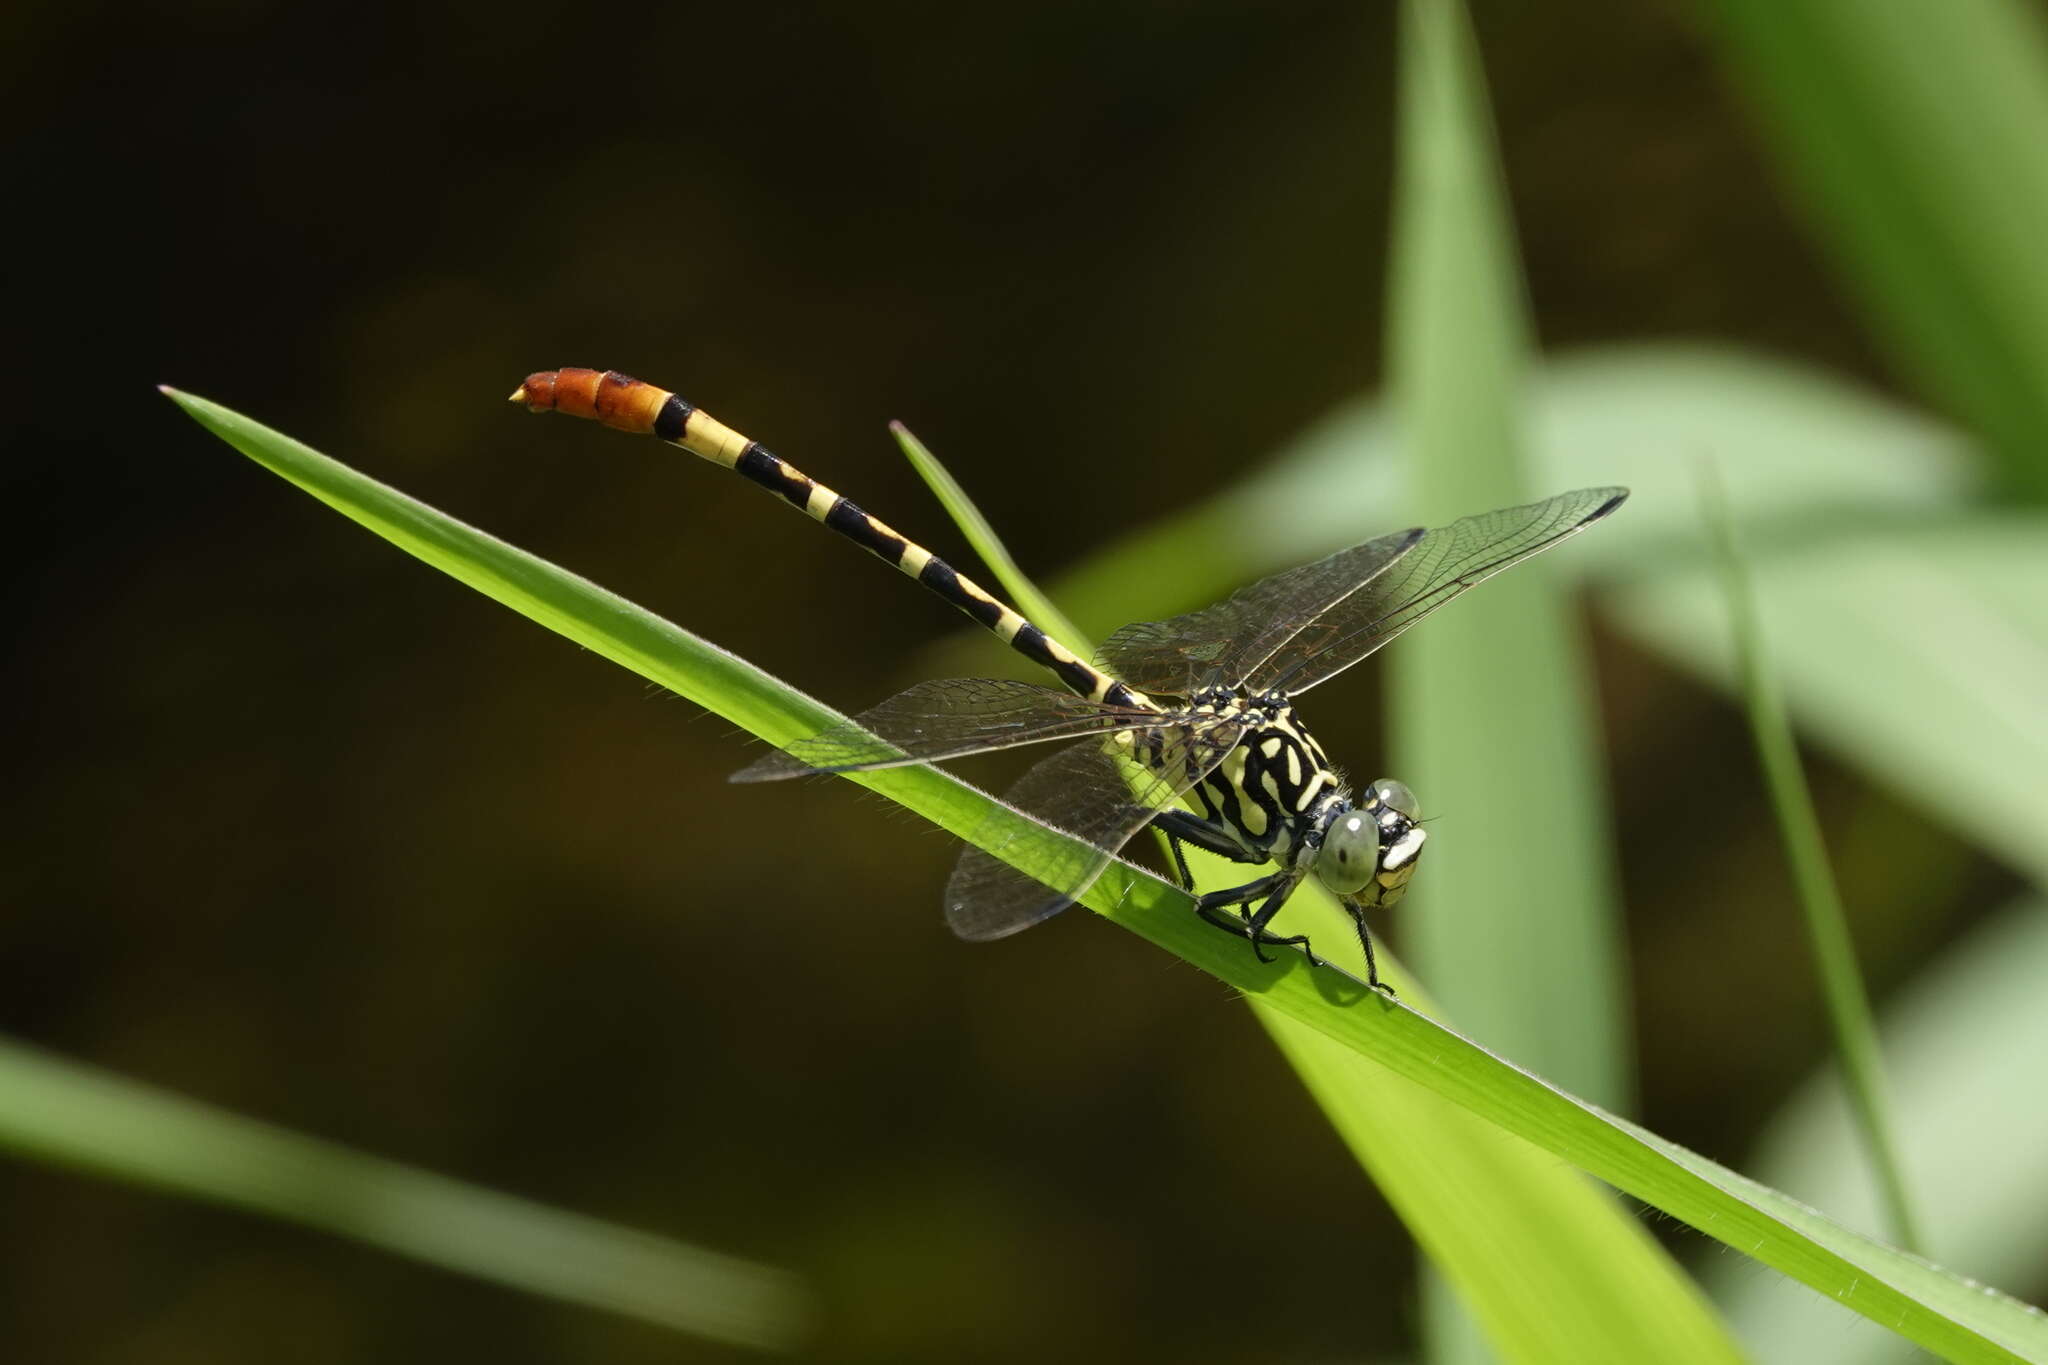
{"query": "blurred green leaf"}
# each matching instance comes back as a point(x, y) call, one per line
point(1951, 1316)
point(1916, 654)
point(1518, 933)
point(1964, 1045)
point(1813, 876)
point(1915, 132)
point(1800, 451)
point(70, 1114)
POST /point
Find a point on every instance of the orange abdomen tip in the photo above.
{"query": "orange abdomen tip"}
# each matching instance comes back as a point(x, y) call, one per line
point(537, 392)
point(617, 400)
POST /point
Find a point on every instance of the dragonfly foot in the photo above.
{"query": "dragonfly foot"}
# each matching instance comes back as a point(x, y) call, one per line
point(1252, 928)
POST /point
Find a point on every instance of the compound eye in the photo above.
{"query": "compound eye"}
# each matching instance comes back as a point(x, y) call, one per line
point(1350, 854)
point(1395, 796)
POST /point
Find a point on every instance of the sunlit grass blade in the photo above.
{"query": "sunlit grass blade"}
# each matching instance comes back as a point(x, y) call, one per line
point(1820, 900)
point(1515, 928)
point(1519, 933)
point(70, 1114)
point(1951, 1316)
point(1967, 1134)
point(1551, 1268)
point(1555, 1269)
point(1915, 132)
point(1024, 594)
point(1568, 1275)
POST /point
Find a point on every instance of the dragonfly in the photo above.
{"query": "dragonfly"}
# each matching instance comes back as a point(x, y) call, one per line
point(1187, 725)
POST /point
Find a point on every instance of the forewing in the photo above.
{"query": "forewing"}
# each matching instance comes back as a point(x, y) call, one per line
point(946, 718)
point(1441, 565)
point(1221, 645)
point(1099, 797)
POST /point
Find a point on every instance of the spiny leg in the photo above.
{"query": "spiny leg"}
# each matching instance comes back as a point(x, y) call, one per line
point(1185, 827)
point(1211, 908)
point(1180, 860)
point(1256, 922)
point(1372, 968)
point(1206, 835)
point(1272, 891)
point(1181, 827)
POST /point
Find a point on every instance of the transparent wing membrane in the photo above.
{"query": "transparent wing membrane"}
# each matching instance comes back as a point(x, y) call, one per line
point(1434, 570)
point(947, 718)
point(1220, 645)
point(1298, 628)
point(1098, 795)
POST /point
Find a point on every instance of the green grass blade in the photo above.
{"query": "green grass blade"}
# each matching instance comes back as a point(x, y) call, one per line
point(1915, 131)
point(1549, 1267)
point(1590, 1284)
point(1024, 594)
point(1967, 1133)
point(1957, 1319)
point(69, 1114)
point(1813, 877)
point(1519, 934)
point(1516, 928)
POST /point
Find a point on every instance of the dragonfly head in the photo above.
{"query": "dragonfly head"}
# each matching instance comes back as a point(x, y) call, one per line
point(1370, 851)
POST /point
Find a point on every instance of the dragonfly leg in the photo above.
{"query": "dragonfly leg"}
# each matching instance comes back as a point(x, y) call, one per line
point(1272, 892)
point(1256, 922)
point(1372, 968)
point(1180, 860)
point(1181, 826)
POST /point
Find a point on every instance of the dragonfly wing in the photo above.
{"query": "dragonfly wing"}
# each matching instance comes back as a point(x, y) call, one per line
point(1096, 796)
point(947, 718)
point(1221, 645)
point(1442, 564)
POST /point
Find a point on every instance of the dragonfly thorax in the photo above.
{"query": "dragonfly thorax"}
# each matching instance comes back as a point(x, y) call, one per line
point(1275, 792)
point(1280, 800)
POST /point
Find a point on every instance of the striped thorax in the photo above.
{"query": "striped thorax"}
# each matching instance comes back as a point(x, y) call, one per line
point(1283, 802)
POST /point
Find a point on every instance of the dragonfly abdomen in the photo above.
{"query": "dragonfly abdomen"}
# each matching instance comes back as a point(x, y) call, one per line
point(626, 404)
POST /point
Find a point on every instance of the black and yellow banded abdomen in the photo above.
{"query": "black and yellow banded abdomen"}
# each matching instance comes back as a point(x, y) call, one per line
point(627, 404)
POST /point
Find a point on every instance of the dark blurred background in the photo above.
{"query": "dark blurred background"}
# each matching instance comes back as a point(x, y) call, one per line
point(302, 828)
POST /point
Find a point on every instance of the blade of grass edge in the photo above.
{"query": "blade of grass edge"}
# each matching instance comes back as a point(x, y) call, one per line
point(1820, 900)
point(1550, 1267)
point(1520, 934)
point(79, 1116)
point(1948, 1314)
point(1553, 1267)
